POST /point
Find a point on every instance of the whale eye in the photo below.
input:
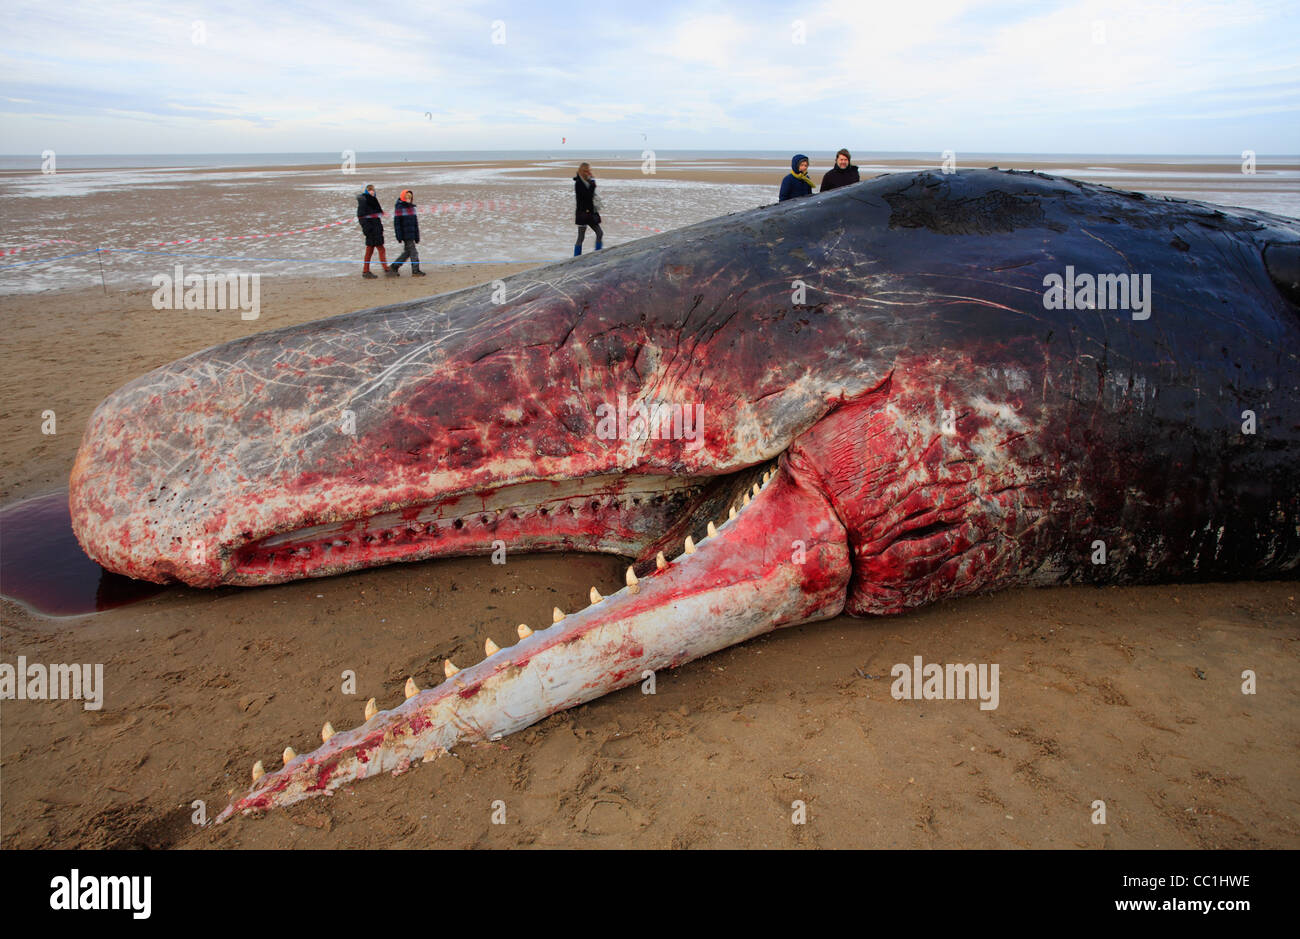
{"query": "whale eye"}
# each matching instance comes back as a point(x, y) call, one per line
point(1283, 265)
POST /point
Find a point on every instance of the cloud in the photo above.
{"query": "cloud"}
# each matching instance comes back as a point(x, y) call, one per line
point(1078, 75)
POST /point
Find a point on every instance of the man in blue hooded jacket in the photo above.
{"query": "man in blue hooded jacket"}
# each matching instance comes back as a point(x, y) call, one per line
point(796, 182)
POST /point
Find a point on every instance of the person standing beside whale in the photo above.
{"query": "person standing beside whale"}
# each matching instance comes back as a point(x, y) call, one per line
point(843, 173)
point(796, 182)
point(584, 190)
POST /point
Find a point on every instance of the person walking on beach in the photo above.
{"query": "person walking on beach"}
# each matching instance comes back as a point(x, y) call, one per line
point(796, 182)
point(584, 189)
point(406, 228)
point(843, 173)
point(369, 213)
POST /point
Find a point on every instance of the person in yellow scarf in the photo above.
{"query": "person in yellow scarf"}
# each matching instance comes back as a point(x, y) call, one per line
point(796, 182)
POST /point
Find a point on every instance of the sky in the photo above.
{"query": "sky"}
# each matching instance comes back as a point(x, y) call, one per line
point(984, 76)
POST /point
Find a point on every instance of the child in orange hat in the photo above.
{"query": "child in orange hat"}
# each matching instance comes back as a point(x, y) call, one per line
point(406, 226)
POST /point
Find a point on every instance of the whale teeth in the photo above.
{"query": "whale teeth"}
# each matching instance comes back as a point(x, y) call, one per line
point(490, 647)
point(523, 630)
point(258, 771)
point(371, 709)
point(631, 581)
point(288, 755)
point(660, 561)
point(556, 615)
point(731, 513)
point(745, 502)
point(448, 669)
point(412, 689)
point(595, 596)
point(326, 732)
point(690, 545)
point(712, 529)
point(755, 490)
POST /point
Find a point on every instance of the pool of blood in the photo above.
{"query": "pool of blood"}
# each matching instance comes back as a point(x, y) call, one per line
point(43, 567)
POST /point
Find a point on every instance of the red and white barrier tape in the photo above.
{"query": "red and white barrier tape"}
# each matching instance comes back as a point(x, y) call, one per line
point(490, 204)
point(275, 234)
point(442, 208)
point(40, 244)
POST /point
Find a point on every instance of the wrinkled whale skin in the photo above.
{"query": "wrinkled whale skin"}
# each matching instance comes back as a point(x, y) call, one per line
point(931, 282)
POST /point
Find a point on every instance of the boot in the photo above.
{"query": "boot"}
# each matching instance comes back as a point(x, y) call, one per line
point(416, 272)
point(392, 271)
point(577, 250)
point(599, 244)
point(369, 276)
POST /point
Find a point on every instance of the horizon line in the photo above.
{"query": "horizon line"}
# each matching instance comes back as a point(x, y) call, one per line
point(1033, 153)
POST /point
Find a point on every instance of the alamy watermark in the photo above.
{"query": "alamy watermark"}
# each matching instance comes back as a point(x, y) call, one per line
point(661, 420)
point(102, 892)
point(951, 682)
point(1098, 292)
point(181, 291)
point(54, 682)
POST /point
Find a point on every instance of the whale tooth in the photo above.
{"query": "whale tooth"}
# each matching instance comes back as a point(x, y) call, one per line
point(660, 561)
point(371, 709)
point(595, 595)
point(258, 771)
point(690, 545)
point(746, 500)
point(712, 529)
point(556, 615)
point(631, 581)
point(288, 755)
point(755, 490)
point(490, 647)
point(412, 689)
point(731, 513)
point(448, 669)
point(326, 732)
point(523, 630)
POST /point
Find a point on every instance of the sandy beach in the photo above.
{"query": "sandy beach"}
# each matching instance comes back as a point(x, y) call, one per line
point(1132, 696)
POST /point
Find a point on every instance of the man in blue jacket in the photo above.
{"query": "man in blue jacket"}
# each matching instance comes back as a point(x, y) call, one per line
point(796, 183)
point(406, 227)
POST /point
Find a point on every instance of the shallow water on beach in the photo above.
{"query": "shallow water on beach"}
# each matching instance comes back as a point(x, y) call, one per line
point(467, 215)
point(120, 227)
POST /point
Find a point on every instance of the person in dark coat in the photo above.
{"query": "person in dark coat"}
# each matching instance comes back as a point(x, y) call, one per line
point(369, 214)
point(842, 174)
point(796, 182)
point(406, 227)
point(584, 190)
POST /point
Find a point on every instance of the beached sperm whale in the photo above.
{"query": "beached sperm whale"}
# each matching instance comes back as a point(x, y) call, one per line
point(918, 387)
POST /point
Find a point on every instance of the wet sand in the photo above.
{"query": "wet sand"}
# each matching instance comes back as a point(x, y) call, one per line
point(126, 226)
point(1130, 695)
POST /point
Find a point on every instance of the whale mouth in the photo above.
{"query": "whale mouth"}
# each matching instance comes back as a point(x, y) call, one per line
point(729, 579)
point(631, 515)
